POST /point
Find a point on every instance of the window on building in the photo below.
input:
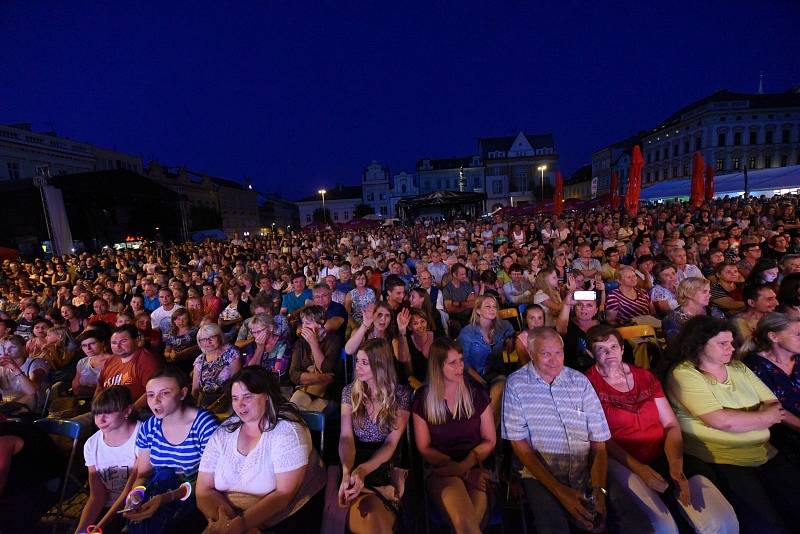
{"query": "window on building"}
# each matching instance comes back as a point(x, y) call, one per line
point(383, 210)
point(335, 215)
point(784, 160)
point(308, 217)
point(769, 137)
point(720, 164)
point(666, 152)
point(721, 139)
point(674, 171)
point(675, 150)
point(658, 175)
point(440, 184)
point(737, 163)
point(370, 197)
point(658, 155)
point(346, 215)
point(751, 162)
point(786, 136)
point(767, 161)
point(649, 176)
point(737, 138)
point(685, 169)
point(13, 170)
point(685, 146)
point(698, 142)
point(497, 187)
point(403, 189)
point(753, 137)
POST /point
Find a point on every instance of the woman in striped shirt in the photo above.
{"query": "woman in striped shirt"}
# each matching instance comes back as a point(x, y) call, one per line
point(628, 300)
point(171, 444)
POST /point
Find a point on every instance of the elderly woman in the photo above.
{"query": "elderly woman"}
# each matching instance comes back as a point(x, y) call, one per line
point(772, 356)
point(628, 300)
point(217, 363)
point(454, 432)
point(725, 413)
point(259, 470)
point(663, 293)
point(646, 446)
point(483, 341)
point(267, 349)
point(693, 297)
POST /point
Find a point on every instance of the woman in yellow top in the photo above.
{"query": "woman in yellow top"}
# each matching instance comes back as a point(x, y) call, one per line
point(725, 412)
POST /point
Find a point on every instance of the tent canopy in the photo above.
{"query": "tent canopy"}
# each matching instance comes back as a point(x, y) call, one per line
point(762, 181)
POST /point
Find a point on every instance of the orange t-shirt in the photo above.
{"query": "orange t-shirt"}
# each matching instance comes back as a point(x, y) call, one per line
point(134, 374)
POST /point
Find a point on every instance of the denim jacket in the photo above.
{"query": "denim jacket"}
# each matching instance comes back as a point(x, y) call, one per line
point(480, 355)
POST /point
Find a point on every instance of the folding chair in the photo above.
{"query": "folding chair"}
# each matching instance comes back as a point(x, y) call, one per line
point(522, 307)
point(65, 429)
point(316, 423)
point(641, 339)
point(639, 330)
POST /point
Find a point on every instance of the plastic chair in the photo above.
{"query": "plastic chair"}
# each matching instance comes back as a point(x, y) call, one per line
point(507, 313)
point(65, 429)
point(641, 330)
point(522, 307)
point(316, 423)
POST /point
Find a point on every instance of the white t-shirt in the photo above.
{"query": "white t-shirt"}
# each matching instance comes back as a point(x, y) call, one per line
point(284, 448)
point(113, 464)
point(245, 479)
point(161, 319)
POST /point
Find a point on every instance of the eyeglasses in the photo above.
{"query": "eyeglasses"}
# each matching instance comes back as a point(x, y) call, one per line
point(206, 339)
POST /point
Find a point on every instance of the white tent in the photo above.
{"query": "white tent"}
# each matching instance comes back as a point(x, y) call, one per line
point(768, 182)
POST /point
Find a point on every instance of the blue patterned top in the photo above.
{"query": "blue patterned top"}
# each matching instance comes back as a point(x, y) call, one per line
point(785, 387)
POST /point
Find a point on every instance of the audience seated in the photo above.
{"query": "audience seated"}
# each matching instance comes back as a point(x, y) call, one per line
point(259, 470)
point(454, 432)
point(725, 413)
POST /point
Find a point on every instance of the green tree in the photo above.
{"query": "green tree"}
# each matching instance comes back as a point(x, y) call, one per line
point(363, 209)
point(322, 217)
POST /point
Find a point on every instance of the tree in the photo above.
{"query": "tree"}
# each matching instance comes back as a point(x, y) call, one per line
point(204, 218)
point(318, 215)
point(363, 209)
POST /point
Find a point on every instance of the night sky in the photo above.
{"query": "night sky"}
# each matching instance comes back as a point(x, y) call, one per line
point(304, 95)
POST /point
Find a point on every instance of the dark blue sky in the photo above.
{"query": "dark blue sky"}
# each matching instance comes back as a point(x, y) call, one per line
point(303, 95)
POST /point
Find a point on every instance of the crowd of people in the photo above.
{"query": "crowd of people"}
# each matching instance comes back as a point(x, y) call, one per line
point(492, 351)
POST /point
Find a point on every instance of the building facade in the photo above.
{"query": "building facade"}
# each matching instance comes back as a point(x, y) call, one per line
point(518, 169)
point(463, 174)
point(340, 204)
point(375, 187)
point(731, 130)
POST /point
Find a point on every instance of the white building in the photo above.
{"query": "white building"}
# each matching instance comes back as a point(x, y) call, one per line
point(403, 185)
point(451, 174)
point(340, 203)
point(24, 153)
point(731, 130)
point(375, 188)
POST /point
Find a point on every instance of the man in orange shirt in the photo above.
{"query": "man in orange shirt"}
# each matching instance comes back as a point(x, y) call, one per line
point(130, 366)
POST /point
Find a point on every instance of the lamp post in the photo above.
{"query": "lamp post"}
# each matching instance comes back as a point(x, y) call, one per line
point(542, 168)
point(324, 215)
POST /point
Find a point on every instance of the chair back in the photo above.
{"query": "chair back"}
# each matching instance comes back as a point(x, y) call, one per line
point(316, 423)
point(640, 330)
point(507, 313)
point(65, 429)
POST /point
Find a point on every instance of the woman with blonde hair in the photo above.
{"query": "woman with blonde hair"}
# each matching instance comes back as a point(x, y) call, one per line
point(483, 342)
point(217, 363)
point(59, 353)
point(374, 415)
point(454, 431)
point(547, 295)
point(693, 297)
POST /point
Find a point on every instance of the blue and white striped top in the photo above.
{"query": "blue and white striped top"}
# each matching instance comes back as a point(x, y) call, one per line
point(184, 457)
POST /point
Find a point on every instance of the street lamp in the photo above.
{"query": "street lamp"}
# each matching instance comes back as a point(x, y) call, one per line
point(324, 216)
point(542, 168)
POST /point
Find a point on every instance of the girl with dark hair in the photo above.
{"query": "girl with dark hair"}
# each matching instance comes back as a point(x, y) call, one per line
point(765, 272)
point(110, 454)
point(171, 444)
point(725, 413)
point(789, 295)
point(374, 415)
point(454, 431)
point(260, 468)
